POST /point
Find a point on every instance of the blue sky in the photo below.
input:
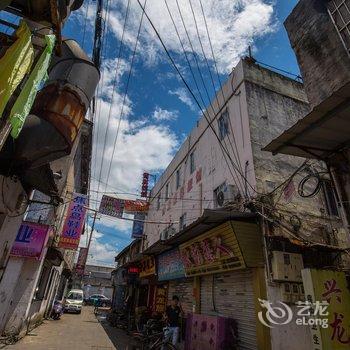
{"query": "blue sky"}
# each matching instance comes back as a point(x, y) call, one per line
point(159, 112)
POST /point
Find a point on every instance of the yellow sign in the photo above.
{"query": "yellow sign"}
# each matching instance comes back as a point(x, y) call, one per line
point(331, 287)
point(147, 267)
point(213, 252)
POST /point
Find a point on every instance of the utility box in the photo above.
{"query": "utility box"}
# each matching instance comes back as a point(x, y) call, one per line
point(287, 266)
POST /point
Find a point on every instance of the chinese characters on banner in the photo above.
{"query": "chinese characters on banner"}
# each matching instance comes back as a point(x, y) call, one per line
point(30, 241)
point(74, 222)
point(112, 206)
point(160, 300)
point(144, 188)
point(211, 253)
point(331, 287)
point(116, 207)
point(135, 206)
point(80, 266)
point(137, 227)
point(147, 267)
point(170, 266)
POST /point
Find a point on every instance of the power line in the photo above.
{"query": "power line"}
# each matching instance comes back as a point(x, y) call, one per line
point(191, 92)
point(207, 94)
point(125, 95)
point(100, 87)
point(204, 55)
point(85, 22)
point(113, 93)
point(185, 54)
point(220, 84)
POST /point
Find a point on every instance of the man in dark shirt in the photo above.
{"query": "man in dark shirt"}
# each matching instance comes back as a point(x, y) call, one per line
point(172, 314)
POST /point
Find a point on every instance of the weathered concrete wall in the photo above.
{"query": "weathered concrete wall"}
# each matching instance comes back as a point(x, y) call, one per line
point(209, 160)
point(271, 111)
point(22, 294)
point(324, 63)
point(261, 105)
point(289, 336)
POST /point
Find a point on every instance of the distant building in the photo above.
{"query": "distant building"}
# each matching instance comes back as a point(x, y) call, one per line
point(97, 280)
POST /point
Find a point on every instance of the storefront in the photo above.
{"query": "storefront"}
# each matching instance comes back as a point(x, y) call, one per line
point(147, 284)
point(225, 265)
point(171, 272)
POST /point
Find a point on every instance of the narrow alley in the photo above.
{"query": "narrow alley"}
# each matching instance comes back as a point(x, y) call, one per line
point(175, 175)
point(78, 332)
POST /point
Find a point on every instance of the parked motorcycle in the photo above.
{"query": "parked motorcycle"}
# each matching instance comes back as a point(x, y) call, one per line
point(57, 310)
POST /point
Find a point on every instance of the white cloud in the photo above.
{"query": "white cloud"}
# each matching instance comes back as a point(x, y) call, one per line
point(233, 25)
point(101, 253)
point(160, 114)
point(141, 145)
point(183, 96)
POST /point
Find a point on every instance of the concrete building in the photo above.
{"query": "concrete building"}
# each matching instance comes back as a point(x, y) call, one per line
point(259, 104)
point(223, 196)
point(45, 152)
point(320, 35)
point(30, 285)
point(97, 280)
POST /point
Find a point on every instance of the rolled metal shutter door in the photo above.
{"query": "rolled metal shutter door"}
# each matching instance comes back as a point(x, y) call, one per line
point(183, 288)
point(231, 294)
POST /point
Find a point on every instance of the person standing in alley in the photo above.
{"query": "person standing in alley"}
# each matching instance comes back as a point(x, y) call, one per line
point(173, 314)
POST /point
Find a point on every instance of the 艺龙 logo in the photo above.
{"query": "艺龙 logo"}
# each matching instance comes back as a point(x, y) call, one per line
point(275, 315)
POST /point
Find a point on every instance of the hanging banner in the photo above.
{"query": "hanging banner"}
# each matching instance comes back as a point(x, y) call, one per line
point(144, 188)
point(135, 206)
point(137, 227)
point(30, 241)
point(80, 266)
point(329, 287)
point(160, 299)
point(170, 265)
point(116, 206)
point(147, 267)
point(111, 206)
point(74, 222)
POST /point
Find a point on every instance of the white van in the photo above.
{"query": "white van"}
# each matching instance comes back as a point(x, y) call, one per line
point(74, 301)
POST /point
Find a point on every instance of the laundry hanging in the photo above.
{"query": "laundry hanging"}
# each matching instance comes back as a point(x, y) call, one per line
point(15, 64)
point(36, 79)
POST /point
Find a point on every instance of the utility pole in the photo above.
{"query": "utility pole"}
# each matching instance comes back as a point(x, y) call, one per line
point(92, 230)
point(96, 53)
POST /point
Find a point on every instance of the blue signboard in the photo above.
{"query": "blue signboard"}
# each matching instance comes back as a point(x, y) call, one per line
point(170, 265)
point(137, 228)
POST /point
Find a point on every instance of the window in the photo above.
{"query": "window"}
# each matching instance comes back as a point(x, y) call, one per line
point(330, 198)
point(41, 286)
point(340, 13)
point(182, 222)
point(75, 296)
point(192, 163)
point(223, 124)
point(178, 178)
point(167, 191)
point(158, 202)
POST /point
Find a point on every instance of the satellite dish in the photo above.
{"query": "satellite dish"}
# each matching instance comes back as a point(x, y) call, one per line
point(220, 198)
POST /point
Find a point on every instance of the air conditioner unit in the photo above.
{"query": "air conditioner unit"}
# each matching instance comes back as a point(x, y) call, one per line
point(287, 266)
point(226, 194)
point(167, 233)
point(164, 235)
point(171, 231)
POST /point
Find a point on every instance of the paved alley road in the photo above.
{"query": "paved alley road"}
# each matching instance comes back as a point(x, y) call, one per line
point(74, 332)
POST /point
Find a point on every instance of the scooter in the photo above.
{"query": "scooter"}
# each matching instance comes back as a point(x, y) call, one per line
point(57, 310)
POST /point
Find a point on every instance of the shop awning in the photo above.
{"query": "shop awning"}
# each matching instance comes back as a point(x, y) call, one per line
point(321, 133)
point(210, 219)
